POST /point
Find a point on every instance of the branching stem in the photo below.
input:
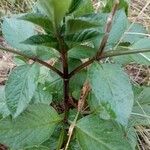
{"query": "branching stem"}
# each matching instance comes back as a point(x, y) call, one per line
point(106, 55)
point(35, 59)
point(64, 57)
point(107, 30)
point(103, 42)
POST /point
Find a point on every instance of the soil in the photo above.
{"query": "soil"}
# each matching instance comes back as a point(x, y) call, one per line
point(2, 147)
point(6, 63)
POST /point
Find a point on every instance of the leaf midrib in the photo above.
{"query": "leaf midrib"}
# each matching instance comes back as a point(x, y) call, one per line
point(25, 81)
point(41, 125)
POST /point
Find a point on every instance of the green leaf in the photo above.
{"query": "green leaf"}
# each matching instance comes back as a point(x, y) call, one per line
point(142, 44)
point(31, 128)
point(45, 53)
point(61, 139)
point(139, 58)
point(110, 84)
point(141, 109)
point(110, 4)
point(20, 60)
point(20, 88)
point(53, 83)
point(97, 134)
point(142, 58)
point(103, 109)
point(72, 64)
point(78, 80)
point(142, 96)
point(135, 33)
point(132, 136)
point(55, 10)
point(39, 20)
point(119, 27)
point(3, 107)
point(15, 31)
point(82, 36)
point(99, 18)
point(82, 52)
point(79, 24)
point(74, 145)
point(135, 58)
point(42, 95)
point(140, 115)
point(41, 39)
point(1, 117)
point(86, 7)
point(56, 140)
point(74, 5)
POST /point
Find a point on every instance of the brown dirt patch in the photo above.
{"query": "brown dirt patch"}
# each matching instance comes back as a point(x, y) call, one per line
point(6, 63)
point(136, 7)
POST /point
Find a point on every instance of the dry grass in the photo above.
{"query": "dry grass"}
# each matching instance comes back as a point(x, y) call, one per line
point(18, 6)
point(136, 8)
point(8, 8)
point(140, 12)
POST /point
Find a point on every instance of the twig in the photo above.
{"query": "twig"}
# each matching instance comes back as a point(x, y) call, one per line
point(35, 59)
point(64, 56)
point(107, 29)
point(85, 91)
point(112, 53)
point(115, 53)
point(82, 66)
point(103, 42)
